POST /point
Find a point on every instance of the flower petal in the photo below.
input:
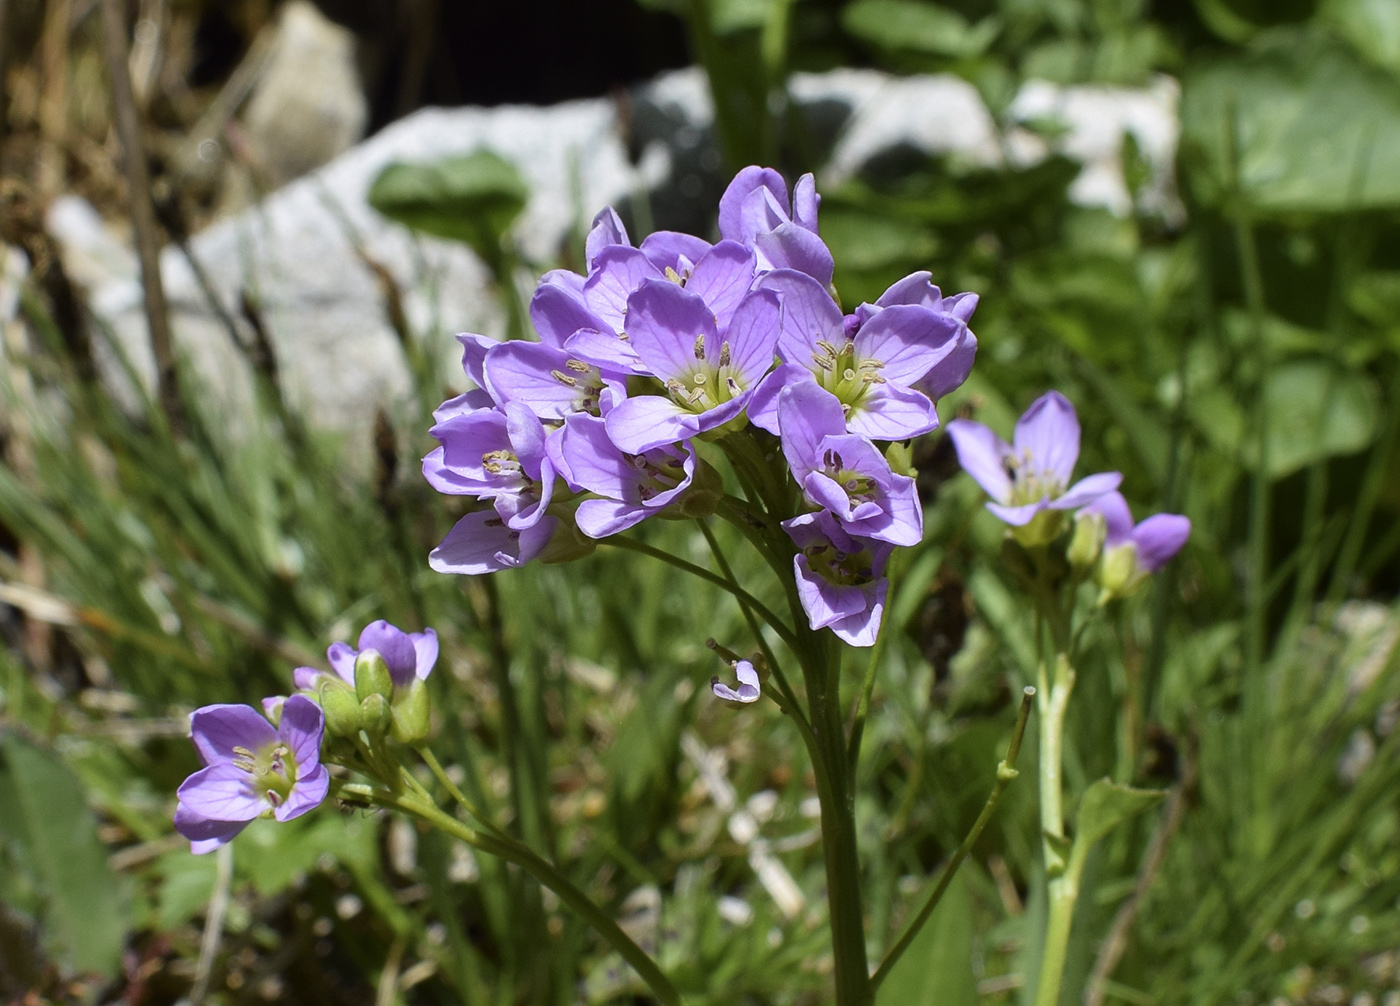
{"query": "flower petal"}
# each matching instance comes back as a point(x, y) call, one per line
point(791, 246)
point(302, 728)
point(809, 316)
point(342, 660)
point(909, 341)
point(646, 421)
point(1160, 537)
point(558, 312)
point(666, 249)
point(620, 271)
point(752, 336)
point(223, 792)
point(763, 403)
point(308, 794)
point(1086, 490)
point(425, 644)
point(216, 730)
point(607, 230)
point(807, 415)
point(912, 289)
point(1118, 519)
point(734, 223)
point(890, 412)
point(749, 688)
point(205, 834)
point(1048, 433)
point(982, 455)
point(666, 325)
point(721, 278)
point(600, 518)
point(393, 644)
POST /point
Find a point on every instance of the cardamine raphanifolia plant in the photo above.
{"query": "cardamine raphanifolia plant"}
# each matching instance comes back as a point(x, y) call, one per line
point(666, 373)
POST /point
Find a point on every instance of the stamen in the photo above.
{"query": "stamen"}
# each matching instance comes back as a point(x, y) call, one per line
point(564, 378)
point(700, 347)
point(577, 366)
point(672, 275)
point(724, 353)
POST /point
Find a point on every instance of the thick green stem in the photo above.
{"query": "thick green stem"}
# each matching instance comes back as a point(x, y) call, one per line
point(1063, 886)
point(542, 870)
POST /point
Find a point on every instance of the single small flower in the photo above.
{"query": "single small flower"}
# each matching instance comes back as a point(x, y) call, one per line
point(252, 769)
point(549, 381)
point(749, 688)
point(486, 541)
point(841, 580)
point(409, 655)
point(493, 454)
point(916, 290)
point(754, 210)
point(844, 473)
point(875, 369)
point(1031, 475)
point(708, 373)
point(1133, 552)
point(633, 486)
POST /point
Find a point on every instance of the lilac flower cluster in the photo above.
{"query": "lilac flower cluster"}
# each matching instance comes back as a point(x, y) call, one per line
point(593, 428)
point(1029, 483)
point(269, 764)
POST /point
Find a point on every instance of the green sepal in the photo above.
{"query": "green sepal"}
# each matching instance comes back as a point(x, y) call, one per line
point(372, 676)
point(412, 714)
point(341, 706)
point(376, 715)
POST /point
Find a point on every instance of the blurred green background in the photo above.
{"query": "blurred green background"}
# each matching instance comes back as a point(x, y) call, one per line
point(1235, 354)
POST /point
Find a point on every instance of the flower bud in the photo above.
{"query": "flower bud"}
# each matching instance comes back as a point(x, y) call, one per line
point(901, 458)
point(1119, 572)
point(375, 715)
point(1090, 529)
point(567, 544)
point(411, 714)
point(1041, 530)
point(341, 706)
point(272, 708)
point(706, 490)
point(372, 675)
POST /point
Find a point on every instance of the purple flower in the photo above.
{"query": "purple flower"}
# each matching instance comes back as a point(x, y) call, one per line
point(754, 210)
point(549, 381)
point(486, 541)
point(635, 486)
point(720, 278)
point(494, 454)
point(841, 580)
point(1132, 552)
point(872, 373)
point(409, 655)
point(845, 473)
point(1032, 474)
point(915, 290)
point(708, 376)
point(252, 769)
point(749, 688)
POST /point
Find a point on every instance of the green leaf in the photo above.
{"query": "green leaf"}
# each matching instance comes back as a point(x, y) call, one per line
point(473, 198)
point(1316, 409)
point(912, 26)
point(48, 826)
point(1373, 26)
point(936, 970)
point(1299, 125)
point(1104, 806)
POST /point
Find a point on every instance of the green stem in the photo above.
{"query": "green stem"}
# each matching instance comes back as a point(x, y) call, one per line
point(744, 596)
point(542, 870)
point(867, 688)
point(455, 792)
point(1063, 888)
point(1006, 774)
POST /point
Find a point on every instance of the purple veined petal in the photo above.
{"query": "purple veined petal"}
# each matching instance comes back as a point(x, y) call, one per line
point(557, 312)
point(342, 661)
point(982, 455)
point(306, 678)
point(566, 280)
point(607, 230)
point(445, 479)
point(308, 793)
point(223, 792)
point(961, 306)
point(1086, 490)
point(720, 414)
point(789, 246)
point(595, 462)
point(1018, 516)
point(823, 601)
point(216, 730)
point(1118, 519)
point(909, 341)
point(863, 628)
point(600, 518)
point(619, 272)
point(823, 490)
point(807, 415)
point(666, 249)
point(1160, 537)
point(763, 403)
point(425, 646)
point(890, 412)
point(482, 543)
point(526, 437)
point(648, 421)
point(547, 380)
point(731, 204)
point(762, 211)
point(749, 688)
point(272, 706)
point(205, 834)
point(302, 729)
point(1047, 434)
point(896, 516)
point(470, 401)
point(915, 288)
point(554, 448)
point(393, 644)
point(671, 330)
point(949, 373)
point(465, 441)
point(809, 316)
point(474, 350)
point(606, 351)
point(752, 337)
point(721, 278)
point(805, 202)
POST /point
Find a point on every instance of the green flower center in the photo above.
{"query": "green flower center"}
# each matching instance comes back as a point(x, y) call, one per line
point(706, 387)
point(840, 373)
point(272, 771)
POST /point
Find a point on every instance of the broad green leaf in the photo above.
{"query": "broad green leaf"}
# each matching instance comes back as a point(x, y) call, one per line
point(1373, 26)
point(1316, 409)
point(915, 26)
point(48, 824)
point(936, 970)
point(1299, 125)
point(473, 198)
point(275, 855)
point(1104, 806)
